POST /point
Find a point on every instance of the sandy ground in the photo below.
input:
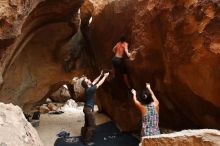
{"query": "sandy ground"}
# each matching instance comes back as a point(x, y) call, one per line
point(70, 121)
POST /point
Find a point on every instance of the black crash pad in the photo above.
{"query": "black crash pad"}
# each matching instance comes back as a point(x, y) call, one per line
point(106, 134)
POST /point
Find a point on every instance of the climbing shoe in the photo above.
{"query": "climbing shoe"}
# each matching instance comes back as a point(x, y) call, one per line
point(90, 143)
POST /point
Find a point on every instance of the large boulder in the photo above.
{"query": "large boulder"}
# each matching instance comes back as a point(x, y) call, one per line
point(15, 129)
point(31, 36)
point(204, 137)
point(179, 57)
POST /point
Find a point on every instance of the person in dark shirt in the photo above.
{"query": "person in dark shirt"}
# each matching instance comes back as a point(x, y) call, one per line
point(90, 90)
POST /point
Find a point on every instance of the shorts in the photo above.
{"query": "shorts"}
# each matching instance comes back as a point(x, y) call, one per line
point(119, 65)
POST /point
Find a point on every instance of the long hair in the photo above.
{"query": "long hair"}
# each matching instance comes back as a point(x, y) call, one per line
point(146, 97)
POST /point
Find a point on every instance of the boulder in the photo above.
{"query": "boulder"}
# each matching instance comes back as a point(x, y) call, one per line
point(15, 129)
point(31, 37)
point(52, 107)
point(203, 137)
point(44, 109)
point(179, 56)
point(61, 95)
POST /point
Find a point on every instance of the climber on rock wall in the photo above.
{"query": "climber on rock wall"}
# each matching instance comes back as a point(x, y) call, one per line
point(118, 60)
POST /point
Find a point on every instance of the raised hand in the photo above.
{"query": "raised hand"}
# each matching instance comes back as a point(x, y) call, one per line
point(101, 72)
point(106, 74)
point(148, 85)
point(133, 55)
point(133, 92)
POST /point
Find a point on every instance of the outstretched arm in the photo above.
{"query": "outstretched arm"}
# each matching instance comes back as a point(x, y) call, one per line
point(113, 50)
point(131, 55)
point(156, 102)
point(97, 79)
point(126, 50)
point(137, 103)
point(102, 80)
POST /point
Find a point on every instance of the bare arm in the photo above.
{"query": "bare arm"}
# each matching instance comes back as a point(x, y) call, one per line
point(156, 102)
point(135, 98)
point(102, 80)
point(97, 79)
point(138, 104)
point(126, 50)
point(131, 55)
point(113, 50)
point(153, 96)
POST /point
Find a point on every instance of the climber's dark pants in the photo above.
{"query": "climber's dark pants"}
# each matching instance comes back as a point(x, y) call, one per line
point(89, 127)
point(119, 65)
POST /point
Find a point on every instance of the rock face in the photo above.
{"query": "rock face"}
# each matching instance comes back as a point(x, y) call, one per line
point(205, 137)
point(179, 54)
point(32, 34)
point(180, 58)
point(15, 129)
